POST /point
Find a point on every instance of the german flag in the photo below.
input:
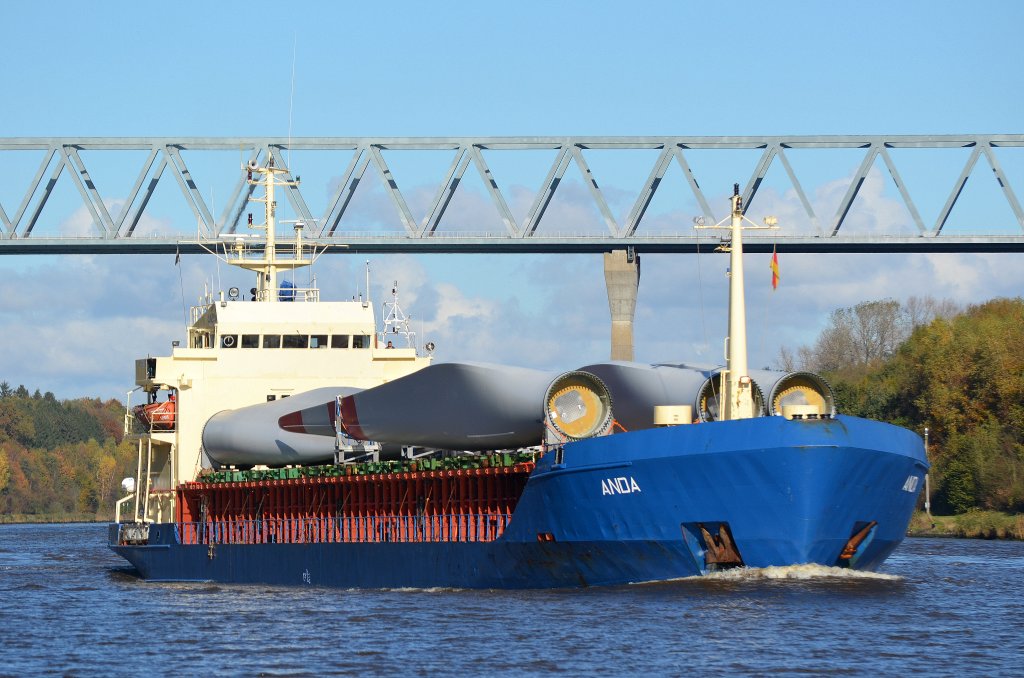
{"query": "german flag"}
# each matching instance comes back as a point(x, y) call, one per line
point(775, 268)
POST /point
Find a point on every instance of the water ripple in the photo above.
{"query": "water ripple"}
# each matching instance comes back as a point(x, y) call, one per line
point(74, 611)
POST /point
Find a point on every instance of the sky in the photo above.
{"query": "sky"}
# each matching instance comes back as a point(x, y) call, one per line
point(74, 325)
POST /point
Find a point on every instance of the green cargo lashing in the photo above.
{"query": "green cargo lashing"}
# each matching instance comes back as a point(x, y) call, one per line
point(502, 459)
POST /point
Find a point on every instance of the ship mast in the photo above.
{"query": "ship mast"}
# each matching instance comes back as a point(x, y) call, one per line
point(736, 400)
point(269, 262)
point(396, 322)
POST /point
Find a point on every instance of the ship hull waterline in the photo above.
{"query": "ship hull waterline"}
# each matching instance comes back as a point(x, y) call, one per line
point(621, 509)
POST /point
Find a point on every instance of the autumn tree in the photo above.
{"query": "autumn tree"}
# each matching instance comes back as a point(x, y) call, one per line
point(959, 373)
point(861, 337)
point(60, 458)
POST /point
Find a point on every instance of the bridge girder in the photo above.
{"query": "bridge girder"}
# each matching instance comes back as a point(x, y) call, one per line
point(117, 232)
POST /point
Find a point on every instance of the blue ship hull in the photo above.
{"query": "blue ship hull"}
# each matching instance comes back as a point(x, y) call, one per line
point(625, 508)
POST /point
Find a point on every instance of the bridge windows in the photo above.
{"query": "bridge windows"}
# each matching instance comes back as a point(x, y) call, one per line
point(350, 341)
point(313, 341)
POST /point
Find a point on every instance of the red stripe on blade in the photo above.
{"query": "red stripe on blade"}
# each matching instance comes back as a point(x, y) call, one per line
point(349, 419)
point(292, 422)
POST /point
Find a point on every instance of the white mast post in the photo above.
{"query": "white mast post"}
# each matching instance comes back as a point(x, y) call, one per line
point(270, 253)
point(737, 400)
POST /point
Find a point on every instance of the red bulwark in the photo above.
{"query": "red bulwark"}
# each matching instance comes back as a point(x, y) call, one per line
point(415, 506)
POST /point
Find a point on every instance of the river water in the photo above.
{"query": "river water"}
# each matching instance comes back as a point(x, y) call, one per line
point(940, 607)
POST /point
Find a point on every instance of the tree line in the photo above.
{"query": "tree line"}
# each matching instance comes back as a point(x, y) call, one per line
point(959, 372)
point(60, 458)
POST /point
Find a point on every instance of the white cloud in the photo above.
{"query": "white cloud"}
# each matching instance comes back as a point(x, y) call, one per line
point(80, 222)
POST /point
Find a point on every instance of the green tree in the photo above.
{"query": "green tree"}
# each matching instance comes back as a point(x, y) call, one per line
point(959, 487)
point(5, 470)
point(16, 422)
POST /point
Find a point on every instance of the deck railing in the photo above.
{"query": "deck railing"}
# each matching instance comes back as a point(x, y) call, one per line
point(457, 527)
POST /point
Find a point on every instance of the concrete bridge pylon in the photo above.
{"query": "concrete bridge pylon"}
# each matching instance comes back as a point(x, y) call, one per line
point(622, 278)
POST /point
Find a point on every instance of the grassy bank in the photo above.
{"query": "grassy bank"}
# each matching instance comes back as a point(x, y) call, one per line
point(48, 518)
point(972, 525)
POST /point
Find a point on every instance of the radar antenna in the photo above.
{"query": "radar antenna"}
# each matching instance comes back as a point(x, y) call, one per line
point(396, 322)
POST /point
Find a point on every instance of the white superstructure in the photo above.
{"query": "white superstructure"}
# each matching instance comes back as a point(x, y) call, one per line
point(241, 350)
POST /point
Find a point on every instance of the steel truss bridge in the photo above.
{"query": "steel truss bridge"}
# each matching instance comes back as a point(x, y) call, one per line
point(117, 231)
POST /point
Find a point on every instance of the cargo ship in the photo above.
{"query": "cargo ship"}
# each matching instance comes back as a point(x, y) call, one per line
point(302, 447)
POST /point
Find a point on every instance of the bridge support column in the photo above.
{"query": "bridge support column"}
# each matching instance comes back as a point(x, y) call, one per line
point(622, 278)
